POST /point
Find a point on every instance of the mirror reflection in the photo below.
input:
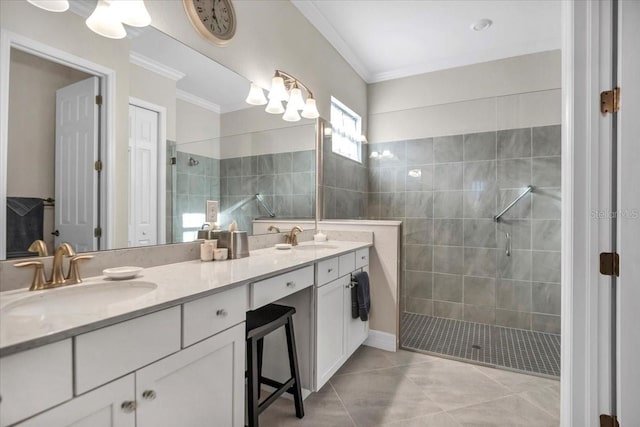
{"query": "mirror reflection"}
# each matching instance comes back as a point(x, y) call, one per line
point(171, 133)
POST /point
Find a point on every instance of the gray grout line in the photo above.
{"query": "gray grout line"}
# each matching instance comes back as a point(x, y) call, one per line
point(343, 405)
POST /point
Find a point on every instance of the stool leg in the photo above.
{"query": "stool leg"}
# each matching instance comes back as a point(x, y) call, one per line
point(293, 366)
point(253, 383)
point(260, 353)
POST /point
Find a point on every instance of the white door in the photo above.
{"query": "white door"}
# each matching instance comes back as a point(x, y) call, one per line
point(102, 407)
point(331, 341)
point(628, 284)
point(76, 180)
point(203, 385)
point(143, 176)
point(357, 330)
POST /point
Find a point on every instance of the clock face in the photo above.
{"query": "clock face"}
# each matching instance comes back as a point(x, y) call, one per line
point(215, 19)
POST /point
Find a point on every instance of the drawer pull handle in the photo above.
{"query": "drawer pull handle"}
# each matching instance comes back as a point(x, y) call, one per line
point(128, 406)
point(149, 394)
point(291, 284)
point(221, 313)
point(330, 270)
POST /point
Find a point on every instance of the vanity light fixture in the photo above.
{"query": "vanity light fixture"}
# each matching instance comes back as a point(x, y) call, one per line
point(51, 5)
point(285, 88)
point(109, 15)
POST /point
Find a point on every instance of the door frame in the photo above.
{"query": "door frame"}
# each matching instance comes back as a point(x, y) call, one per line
point(162, 164)
point(8, 40)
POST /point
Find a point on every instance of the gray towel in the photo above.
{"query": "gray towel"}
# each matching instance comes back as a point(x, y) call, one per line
point(362, 295)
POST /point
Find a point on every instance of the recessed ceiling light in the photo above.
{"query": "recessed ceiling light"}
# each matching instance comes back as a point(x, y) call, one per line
point(481, 24)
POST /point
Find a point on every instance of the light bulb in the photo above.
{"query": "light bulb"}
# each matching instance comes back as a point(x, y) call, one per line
point(278, 91)
point(274, 106)
point(51, 5)
point(296, 98)
point(310, 110)
point(291, 115)
point(104, 21)
point(256, 95)
point(131, 12)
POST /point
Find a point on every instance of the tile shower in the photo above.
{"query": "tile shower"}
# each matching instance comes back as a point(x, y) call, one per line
point(446, 191)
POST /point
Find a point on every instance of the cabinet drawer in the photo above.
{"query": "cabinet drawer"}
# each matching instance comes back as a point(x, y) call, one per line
point(207, 316)
point(347, 263)
point(108, 353)
point(270, 290)
point(328, 270)
point(34, 380)
point(362, 257)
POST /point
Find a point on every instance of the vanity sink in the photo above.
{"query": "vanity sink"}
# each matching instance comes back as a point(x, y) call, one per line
point(76, 300)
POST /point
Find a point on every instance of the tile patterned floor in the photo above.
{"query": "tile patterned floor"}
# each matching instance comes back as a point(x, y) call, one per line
point(517, 349)
point(408, 389)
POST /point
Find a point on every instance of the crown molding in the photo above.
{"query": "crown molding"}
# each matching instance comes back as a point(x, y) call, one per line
point(155, 66)
point(196, 100)
point(322, 24)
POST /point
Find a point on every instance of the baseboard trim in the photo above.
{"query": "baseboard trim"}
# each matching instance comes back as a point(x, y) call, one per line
point(381, 340)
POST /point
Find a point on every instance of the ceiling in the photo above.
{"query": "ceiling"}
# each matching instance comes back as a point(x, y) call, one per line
point(389, 39)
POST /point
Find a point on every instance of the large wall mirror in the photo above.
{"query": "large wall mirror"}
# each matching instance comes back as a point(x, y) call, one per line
point(172, 132)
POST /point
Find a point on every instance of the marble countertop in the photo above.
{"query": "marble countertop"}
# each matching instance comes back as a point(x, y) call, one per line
point(22, 327)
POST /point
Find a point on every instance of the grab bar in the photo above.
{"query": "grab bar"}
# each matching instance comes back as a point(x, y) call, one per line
point(505, 210)
point(271, 213)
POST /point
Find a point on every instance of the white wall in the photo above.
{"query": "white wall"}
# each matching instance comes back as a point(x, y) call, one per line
point(198, 130)
point(156, 89)
point(522, 91)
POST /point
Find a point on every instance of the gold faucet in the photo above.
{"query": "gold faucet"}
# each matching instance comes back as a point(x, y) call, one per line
point(57, 277)
point(40, 247)
point(273, 228)
point(292, 238)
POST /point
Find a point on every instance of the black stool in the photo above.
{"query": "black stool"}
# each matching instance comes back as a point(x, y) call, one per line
point(260, 323)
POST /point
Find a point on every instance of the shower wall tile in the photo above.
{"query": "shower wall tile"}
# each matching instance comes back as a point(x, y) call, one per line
point(546, 171)
point(447, 204)
point(448, 232)
point(480, 262)
point(448, 310)
point(479, 290)
point(419, 151)
point(514, 173)
point(266, 184)
point(391, 179)
point(418, 231)
point(479, 204)
point(513, 319)
point(480, 233)
point(418, 178)
point(480, 314)
point(480, 146)
point(480, 176)
point(545, 323)
point(249, 165)
point(419, 306)
point(513, 295)
point(448, 259)
point(546, 141)
point(392, 205)
point(447, 290)
point(418, 257)
point(447, 176)
point(445, 281)
point(283, 162)
point(304, 161)
point(447, 149)
point(265, 164)
point(517, 266)
point(373, 211)
point(519, 230)
point(302, 182)
point(418, 284)
point(418, 204)
point(545, 234)
point(522, 210)
point(514, 143)
point(546, 298)
point(282, 184)
point(546, 203)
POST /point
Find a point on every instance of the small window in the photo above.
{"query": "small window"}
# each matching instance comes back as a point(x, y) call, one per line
point(346, 131)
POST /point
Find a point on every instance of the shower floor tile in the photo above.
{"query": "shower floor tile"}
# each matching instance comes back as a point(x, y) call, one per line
point(517, 349)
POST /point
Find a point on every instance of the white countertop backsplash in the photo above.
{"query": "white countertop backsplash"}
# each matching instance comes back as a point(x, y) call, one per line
point(176, 283)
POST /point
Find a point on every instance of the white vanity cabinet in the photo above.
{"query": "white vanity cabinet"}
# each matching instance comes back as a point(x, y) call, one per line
point(337, 334)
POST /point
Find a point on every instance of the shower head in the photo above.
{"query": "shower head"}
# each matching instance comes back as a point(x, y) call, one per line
point(193, 162)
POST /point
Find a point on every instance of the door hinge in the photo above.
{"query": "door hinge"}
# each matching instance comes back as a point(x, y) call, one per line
point(98, 165)
point(98, 99)
point(610, 101)
point(609, 421)
point(610, 264)
point(97, 232)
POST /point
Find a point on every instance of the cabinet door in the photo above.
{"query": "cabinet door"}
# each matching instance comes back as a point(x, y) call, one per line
point(357, 330)
point(102, 407)
point(203, 385)
point(331, 342)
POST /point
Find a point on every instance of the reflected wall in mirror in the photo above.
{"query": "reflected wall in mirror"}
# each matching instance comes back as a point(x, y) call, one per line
point(173, 131)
